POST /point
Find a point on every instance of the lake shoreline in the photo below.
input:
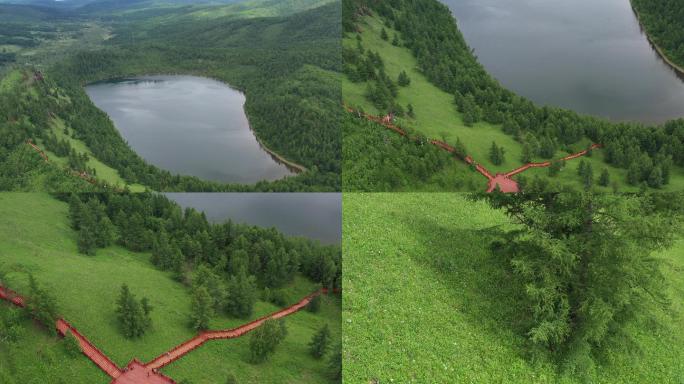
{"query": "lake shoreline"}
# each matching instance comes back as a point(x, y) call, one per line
point(675, 67)
point(278, 158)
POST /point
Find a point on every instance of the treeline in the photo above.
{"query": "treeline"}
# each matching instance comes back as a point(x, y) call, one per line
point(232, 262)
point(664, 23)
point(396, 162)
point(293, 95)
point(428, 29)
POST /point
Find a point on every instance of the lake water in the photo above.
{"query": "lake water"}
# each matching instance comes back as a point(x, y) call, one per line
point(314, 215)
point(187, 125)
point(587, 55)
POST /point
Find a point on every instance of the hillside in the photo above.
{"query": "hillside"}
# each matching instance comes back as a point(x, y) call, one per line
point(286, 66)
point(448, 96)
point(36, 237)
point(427, 299)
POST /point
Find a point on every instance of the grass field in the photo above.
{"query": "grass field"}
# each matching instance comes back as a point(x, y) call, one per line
point(437, 116)
point(35, 236)
point(426, 301)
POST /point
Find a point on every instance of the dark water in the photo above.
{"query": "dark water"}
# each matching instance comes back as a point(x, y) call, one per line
point(187, 125)
point(314, 215)
point(586, 55)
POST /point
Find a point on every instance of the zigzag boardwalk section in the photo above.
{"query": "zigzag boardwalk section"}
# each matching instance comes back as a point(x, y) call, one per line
point(138, 373)
point(190, 345)
point(501, 181)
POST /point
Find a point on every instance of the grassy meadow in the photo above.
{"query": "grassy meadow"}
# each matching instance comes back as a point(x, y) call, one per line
point(35, 236)
point(427, 301)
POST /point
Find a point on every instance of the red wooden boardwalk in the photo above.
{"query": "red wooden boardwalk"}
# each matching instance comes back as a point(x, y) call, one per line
point(502, 181)
point(139, 373)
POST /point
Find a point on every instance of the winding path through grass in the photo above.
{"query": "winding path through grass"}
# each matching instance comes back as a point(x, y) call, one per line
point(502, 181)
point(137, 372)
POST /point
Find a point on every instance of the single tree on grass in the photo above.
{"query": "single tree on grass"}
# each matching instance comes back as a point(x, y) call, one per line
point(202, 309)
point(395, 40)
point(586, 263)
point(265, 339)
point(404, 80)
point(410, 111)
point(320, 342)
point(496, 154)
point(383, 34)
point(133, 315)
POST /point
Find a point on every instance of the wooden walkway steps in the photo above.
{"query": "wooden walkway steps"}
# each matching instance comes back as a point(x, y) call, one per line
point(502, 181)
point(138, 373)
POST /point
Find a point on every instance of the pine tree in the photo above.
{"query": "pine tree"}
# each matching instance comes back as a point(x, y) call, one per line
point(383, 34)
point(655, 178)
point(241, 295)
point(404, 80)
point(265, 339)
point(315, 304)
point(134, 317)
point(410, 110)
point(604, 179)
point(395, 40)
point(319, 343)
point(527, 153)
point(585, 263)
point(588, 177)
point(202, 309)
point(41, 305)
point(75, 208)
point(496, 154)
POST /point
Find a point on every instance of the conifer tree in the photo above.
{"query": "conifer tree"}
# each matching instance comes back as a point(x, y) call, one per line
point(383, 34)
point(265, 339)
point(604, 179)
point(241, 295)
point(585, 262)
point(133, 316)
point(202, 309)
point(404, 80)
point(319, 343)
point(41, 305)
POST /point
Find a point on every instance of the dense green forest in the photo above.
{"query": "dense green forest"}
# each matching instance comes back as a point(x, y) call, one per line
point(184, 242)
point(286, 66)
point(428, 30)
point(663, 21)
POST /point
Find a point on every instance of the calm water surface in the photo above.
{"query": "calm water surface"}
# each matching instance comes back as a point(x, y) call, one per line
point(187, 125)
point(314, 215)
point(587, 55)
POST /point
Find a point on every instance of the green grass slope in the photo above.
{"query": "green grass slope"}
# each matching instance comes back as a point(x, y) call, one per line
point(426, 301)
point(35, 236)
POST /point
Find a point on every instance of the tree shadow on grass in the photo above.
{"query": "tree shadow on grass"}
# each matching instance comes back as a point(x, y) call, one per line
point(491, 297)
